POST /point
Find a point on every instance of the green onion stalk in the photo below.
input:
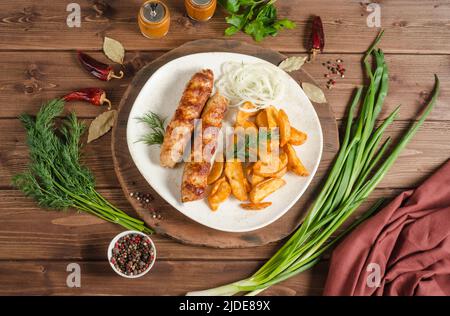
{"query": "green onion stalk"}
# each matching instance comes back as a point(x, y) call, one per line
point(55, 178)
point(362, 162)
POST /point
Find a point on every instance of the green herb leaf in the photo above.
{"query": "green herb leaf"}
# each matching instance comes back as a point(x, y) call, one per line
point(284, 24)
point(55, 178)
point(267, 14)
point(256, 18)
point(256, 29)
point(360, 165)
point(236, 20)
point(157, 131)
point(231, 30)
point(231, 5)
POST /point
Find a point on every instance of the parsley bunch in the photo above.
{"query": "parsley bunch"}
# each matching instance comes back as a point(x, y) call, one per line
point(257, 18)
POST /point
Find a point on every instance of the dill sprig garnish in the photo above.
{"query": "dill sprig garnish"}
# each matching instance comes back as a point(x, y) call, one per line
point(55, 178)
point(156, 124)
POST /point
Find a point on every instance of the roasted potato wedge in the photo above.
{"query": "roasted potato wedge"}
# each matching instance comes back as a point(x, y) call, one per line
point(245, 145)
point(280, 174)
point(216, 171)
point(235, 175)
point(255, 206)
point(267, 147)
point(261, 119)
point(220, 191)
point(249, 170)
point(297, 137)
point(265, 188)
point(247, 174)
point(270, 166)
point(248, 186)
point(283, 166)
point(294, 163)
point(267, 167)
point(253, 178)
point(284, 160)
point(243, 116)
point(271, 114)
point(274, 142)
point(251, 125)
point(285, 127)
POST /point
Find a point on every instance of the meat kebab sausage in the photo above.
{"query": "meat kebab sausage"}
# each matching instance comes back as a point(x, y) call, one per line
point(179, 130)
point(196, 171)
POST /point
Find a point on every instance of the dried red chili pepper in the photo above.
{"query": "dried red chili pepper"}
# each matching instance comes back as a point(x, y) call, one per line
point(95, 96)
point(96, 68)
point(317, 39)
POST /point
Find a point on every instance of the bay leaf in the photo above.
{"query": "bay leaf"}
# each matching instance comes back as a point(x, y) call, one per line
point(292, 63)
point(114, 50)
point(101, 125)
point(314, 93)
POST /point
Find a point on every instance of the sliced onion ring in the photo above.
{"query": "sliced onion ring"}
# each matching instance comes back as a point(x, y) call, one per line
point(257, 83)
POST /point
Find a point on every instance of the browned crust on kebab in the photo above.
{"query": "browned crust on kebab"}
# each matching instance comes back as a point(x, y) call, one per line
point(178, 132)
point(195, 175)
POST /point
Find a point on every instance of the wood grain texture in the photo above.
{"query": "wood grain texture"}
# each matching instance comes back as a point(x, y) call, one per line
point(166, 278)
point(179, 226)
point(429, 148)
point(33, 78)
point(411, 26)
point(36, 77)
point(31, 233)
point(37, 63)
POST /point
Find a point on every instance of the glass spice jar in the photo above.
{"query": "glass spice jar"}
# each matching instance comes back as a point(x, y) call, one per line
point(154, 19)
point(200, 10)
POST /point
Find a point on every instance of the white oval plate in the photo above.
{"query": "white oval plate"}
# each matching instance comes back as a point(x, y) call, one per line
point(161, 94)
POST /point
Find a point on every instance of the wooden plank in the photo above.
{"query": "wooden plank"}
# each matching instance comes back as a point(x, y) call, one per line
point(36, 77)
point(411, 80)
point(166, 278)
point(31, 233)
point(411, 26)
point(14, 155)
point(429, 148)
point(176, 224)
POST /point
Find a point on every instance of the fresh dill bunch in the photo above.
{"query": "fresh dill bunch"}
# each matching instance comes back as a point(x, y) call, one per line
point(55, 178)
point(156, 124)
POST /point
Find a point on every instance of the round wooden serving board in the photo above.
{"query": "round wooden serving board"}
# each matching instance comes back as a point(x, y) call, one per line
point(172, 222)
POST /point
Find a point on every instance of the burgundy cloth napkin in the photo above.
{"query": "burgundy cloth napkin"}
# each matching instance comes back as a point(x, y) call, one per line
point(408, 242)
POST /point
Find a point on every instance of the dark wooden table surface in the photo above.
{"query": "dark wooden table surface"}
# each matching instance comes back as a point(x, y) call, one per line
point(37, 62)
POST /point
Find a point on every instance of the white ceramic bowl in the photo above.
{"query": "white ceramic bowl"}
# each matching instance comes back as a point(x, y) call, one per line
point(111, 247)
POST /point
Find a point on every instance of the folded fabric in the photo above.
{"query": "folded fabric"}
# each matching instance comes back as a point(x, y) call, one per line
point(402, 250)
